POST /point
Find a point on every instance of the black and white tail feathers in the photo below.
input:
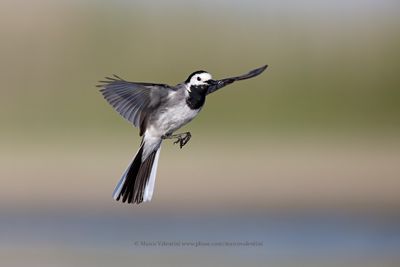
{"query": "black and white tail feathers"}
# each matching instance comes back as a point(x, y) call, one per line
point(137, 183)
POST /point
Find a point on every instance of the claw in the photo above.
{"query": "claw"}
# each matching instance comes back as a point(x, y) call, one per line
point(182, 138)
point(177, 140)
point(185, 139)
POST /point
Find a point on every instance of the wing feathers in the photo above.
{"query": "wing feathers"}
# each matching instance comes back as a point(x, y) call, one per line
point(132, 100)
point(226, 81)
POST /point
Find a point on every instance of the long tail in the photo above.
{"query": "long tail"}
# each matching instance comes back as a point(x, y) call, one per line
point(137, 183)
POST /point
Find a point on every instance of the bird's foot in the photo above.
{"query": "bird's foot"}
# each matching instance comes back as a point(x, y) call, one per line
point(182, 138)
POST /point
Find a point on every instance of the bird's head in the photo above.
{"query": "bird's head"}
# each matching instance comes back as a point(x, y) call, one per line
point(199, 79)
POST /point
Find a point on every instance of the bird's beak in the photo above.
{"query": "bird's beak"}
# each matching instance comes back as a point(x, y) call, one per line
point(221, 83)
point(217, 84)
point(212, 82)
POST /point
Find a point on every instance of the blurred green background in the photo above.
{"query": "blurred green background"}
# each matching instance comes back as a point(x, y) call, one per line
point(316, 135)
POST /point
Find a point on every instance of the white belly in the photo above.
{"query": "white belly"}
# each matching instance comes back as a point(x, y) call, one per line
point(171, 119)
point(175, 118)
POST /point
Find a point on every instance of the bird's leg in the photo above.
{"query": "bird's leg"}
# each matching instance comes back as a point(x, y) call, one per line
point(182, 138)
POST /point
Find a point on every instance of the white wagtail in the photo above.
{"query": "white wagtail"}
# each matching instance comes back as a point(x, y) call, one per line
point(158, 110)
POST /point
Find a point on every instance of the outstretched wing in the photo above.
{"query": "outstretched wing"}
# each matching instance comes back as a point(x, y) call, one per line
point(226, 81)
point(134, 101)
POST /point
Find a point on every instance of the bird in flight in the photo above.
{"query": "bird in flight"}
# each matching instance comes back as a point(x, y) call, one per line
point(158, 110)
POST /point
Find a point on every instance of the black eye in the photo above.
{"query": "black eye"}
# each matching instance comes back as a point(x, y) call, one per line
point(198, 78)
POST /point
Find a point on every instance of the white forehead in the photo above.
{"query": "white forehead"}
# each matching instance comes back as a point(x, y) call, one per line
point(204, 76)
